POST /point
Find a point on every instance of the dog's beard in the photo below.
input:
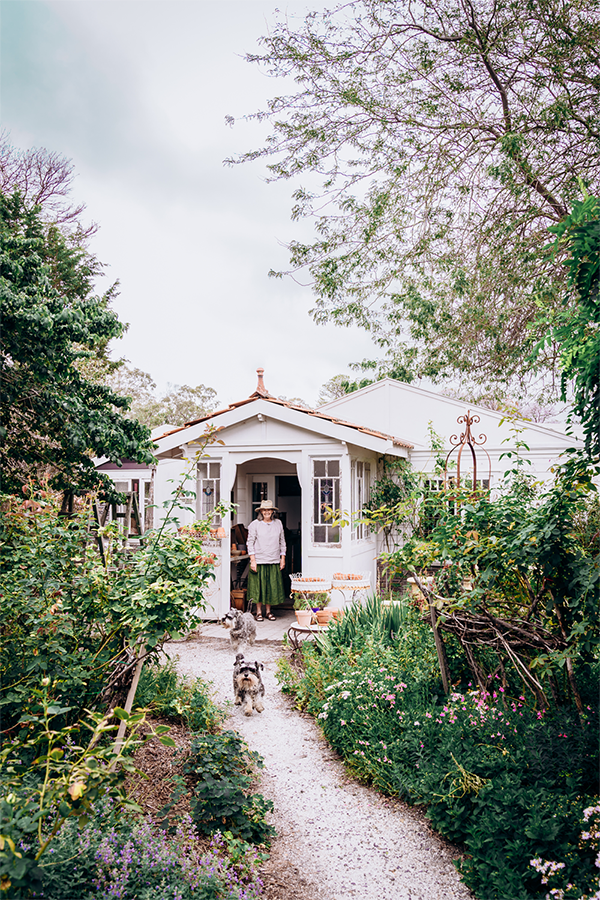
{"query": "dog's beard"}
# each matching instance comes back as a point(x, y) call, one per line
point(246, 682)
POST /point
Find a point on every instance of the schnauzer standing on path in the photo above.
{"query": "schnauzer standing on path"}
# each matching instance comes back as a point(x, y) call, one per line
point(243, 627)
point(248, 687)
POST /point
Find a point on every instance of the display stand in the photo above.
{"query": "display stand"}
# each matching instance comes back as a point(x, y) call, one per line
point(351, 585)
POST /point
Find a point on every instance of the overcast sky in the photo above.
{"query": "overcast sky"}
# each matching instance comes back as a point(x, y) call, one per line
point(136, 92)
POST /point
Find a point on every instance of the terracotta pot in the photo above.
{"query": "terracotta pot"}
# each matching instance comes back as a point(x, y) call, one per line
point(304, 616)
point(324, 616)
point(337, 613)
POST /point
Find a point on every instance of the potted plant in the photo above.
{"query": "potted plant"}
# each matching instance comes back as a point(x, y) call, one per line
point(195, 529)
point(313, 602)
point(303, 608)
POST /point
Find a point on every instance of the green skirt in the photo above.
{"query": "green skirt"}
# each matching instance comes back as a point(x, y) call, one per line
point(266, 585)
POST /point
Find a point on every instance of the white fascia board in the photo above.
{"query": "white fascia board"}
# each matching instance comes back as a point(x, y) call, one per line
point(194, 432)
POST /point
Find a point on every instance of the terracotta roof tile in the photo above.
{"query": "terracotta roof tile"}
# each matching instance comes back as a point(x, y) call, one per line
point(398, 442)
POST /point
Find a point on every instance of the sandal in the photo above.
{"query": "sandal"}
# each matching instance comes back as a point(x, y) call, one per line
point(271, 617)
point(259, 618)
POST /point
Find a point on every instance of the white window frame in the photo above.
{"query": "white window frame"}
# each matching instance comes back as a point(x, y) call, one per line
point(208, 478)
point(361, 492)
point(317, 488)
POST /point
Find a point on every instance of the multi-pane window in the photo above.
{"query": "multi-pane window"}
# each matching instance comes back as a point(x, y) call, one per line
point(260, 492)
point(430, 510)
point(466, 483)
point(208, 492)
point(361, 490)
point(326, 500)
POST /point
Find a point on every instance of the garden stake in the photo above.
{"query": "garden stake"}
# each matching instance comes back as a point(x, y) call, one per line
point(129, 703)
point(473, 664)
point(439, 647)
point(526, 676)
point(439, 644)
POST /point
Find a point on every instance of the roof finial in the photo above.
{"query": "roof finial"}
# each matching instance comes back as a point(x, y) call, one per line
point(260, 388)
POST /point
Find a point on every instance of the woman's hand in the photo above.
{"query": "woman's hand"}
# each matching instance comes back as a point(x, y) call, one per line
point(253, 563)
point(282, 562)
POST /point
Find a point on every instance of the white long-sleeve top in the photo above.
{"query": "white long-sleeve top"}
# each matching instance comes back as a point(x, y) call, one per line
point(266, 542)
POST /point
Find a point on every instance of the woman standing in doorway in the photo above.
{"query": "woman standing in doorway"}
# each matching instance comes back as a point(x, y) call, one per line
point(266, 547)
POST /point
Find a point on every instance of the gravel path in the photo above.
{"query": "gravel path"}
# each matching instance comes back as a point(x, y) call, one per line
point(337, 839)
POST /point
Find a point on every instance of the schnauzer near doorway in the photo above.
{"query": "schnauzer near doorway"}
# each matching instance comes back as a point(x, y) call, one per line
point(243, 627)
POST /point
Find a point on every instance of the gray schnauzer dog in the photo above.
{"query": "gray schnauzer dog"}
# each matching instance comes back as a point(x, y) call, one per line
point(248, 687)
point(243, 627)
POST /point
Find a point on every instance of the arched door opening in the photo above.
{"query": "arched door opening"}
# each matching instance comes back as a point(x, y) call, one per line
point(259, 479)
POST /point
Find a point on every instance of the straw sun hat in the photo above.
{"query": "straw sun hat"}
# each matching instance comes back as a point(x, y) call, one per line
point(266, 504)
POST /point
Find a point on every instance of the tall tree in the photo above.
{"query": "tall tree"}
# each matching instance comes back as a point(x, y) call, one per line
point(575, 327)
point(181, 403)
point(45, 179)
point(178, 405)
point(440, 140)
point(336, 387)
point(52, 418)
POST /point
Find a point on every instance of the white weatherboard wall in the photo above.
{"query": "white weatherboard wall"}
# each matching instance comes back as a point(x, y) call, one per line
point(406, 411)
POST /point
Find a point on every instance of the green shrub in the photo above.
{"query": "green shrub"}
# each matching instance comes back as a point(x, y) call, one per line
point(507, 780)
point(221, 767)
point(48, 780)
point(68, 617)
point(164, 692)
point(366, 639)
point(72, 626)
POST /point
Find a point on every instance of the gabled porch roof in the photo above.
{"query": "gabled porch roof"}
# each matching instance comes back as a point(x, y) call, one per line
point(302, 417)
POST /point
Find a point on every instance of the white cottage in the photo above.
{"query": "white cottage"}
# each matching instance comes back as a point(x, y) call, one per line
point(306, 460)
point(302, 459)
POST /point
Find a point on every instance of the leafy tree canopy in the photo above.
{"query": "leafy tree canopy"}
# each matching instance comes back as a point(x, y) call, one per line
point(439, 141)
point(52, 418)
point(178, 405)
point(333, 389)
point(575, 327)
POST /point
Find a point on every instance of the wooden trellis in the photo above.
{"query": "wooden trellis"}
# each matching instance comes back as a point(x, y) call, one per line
point(130, 515)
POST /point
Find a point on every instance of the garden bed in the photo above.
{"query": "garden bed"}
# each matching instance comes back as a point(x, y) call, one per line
point(516, 785)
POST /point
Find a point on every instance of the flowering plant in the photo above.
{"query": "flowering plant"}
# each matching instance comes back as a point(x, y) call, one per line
point(550, 870)
point(125, 859)
point(508, 779)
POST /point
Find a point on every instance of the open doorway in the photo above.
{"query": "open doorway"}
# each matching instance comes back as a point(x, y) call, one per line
point(267, 479)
